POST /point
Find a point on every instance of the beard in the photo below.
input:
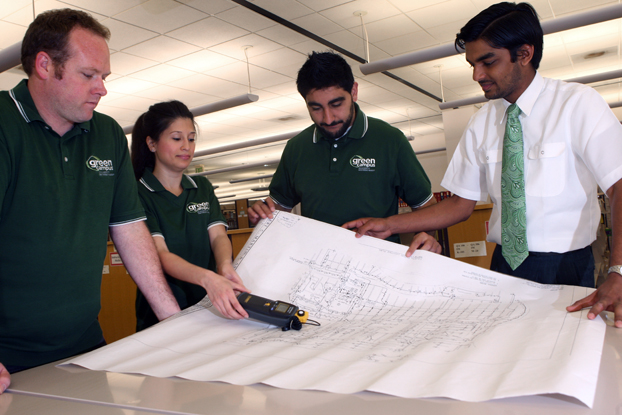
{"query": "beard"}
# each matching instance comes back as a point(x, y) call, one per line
point(509, 85)
point(342, 130)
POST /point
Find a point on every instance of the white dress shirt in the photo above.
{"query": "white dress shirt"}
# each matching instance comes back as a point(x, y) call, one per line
point(572, 143)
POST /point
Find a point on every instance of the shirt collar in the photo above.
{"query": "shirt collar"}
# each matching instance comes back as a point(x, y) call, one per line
point(528, 98)
point(357, 131)
point(153, 184)
point(26, 106)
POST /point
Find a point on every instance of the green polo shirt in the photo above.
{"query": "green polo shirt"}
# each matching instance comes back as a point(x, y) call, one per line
point(58, 195)
point(361, 174)
point(183, 221)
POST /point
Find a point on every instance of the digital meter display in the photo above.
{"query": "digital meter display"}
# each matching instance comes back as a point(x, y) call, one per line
point(277, 313)
point(281, 307)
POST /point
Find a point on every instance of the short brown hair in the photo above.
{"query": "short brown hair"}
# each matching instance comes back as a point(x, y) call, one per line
point(49, 33)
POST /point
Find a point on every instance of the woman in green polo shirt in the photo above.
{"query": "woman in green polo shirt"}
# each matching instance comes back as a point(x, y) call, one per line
point(183, 215)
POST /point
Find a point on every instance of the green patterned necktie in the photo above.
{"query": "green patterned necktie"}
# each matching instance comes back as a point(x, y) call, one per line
point(513, 207)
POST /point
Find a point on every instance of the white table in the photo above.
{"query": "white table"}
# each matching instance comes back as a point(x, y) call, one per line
point(70, 390)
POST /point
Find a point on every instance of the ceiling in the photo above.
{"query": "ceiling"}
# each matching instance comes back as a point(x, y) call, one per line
point(197, 51)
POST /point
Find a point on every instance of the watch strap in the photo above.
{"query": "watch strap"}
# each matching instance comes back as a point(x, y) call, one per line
point(615, 268)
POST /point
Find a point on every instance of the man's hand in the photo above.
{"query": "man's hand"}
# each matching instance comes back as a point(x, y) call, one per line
point(426, 242)
point(376, 227)
point(5, 379)
point(608, 297)
point(261, 210)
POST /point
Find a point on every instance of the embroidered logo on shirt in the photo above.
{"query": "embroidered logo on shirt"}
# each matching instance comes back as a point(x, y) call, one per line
point(363, 164)
point(104, 167)
point(198, 207)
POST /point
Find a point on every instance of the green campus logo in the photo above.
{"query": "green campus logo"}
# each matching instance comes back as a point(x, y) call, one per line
point(198, 207)
point(362, 163)
point(104, 167)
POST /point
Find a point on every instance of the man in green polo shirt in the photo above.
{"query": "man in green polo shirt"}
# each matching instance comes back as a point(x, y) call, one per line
point(346, 165)
point(65, 180)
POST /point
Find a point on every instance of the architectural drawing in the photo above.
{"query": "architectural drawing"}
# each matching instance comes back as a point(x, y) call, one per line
point(414, 327)
point(363, 308)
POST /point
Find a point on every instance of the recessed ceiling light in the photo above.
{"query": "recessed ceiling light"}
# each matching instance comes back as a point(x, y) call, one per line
point(594, 55)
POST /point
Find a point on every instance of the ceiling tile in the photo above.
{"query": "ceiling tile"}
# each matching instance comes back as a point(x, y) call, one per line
point(388, 28)
point(561, 7)
point(309, 46)
point(284, 103)
point(126, 85)
point(348, 41)
point(161, 49)
point(446, 33)
point(287, 9)
point(407, 43)
point(161, 16)
point(235, 48)
point(450, 62)
point(11, 34)
point(162, 74)
point(280, 59)
point(105, 8)
point(317, 24)
point(552, 40)
point(125, 64)
point(131, 103)
point(245, 18)
point(282, 35)
point(260, 78)
point(449, 11)
point(123, 116)
point(211, 6)
point(586, 33)
point(208, 32)
point(600, 44)
point(220, 88)
point(285, 89)
point(377, 95)
point(7, 8)
point(374, 10)
point(202, 61)
point(23, 16)
point(123, 35)
point(166, 93)
point(410, 5)
point(319, 5)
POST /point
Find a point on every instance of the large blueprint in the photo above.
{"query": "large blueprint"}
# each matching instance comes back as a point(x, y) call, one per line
point(425, 326)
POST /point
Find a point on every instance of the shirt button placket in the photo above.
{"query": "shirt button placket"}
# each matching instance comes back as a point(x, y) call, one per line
point(333, 164)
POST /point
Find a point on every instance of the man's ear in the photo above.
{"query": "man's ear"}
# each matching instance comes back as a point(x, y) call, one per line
point(524, 54)
point(355, 91)
point(44, 67)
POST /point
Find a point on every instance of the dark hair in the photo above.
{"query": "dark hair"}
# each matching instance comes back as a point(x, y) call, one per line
point(323, 70)
point(152, 124)
point(505, 25)
point(49, 33)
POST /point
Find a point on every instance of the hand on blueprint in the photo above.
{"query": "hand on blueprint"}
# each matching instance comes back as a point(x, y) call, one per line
point(261, 210)
point(426, 242)
point(608, 297)
point(5, 379)
point(222, 290)
point(376, 227)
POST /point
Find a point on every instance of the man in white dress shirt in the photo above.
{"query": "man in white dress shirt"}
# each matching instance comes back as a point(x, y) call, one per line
point(572, 143)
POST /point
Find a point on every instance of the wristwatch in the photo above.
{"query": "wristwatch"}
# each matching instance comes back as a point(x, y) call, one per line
point(616, 268)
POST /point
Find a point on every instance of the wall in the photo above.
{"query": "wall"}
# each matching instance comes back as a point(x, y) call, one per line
point(435, 163)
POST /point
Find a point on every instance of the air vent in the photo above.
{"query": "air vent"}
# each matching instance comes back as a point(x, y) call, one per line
point(288, 118)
